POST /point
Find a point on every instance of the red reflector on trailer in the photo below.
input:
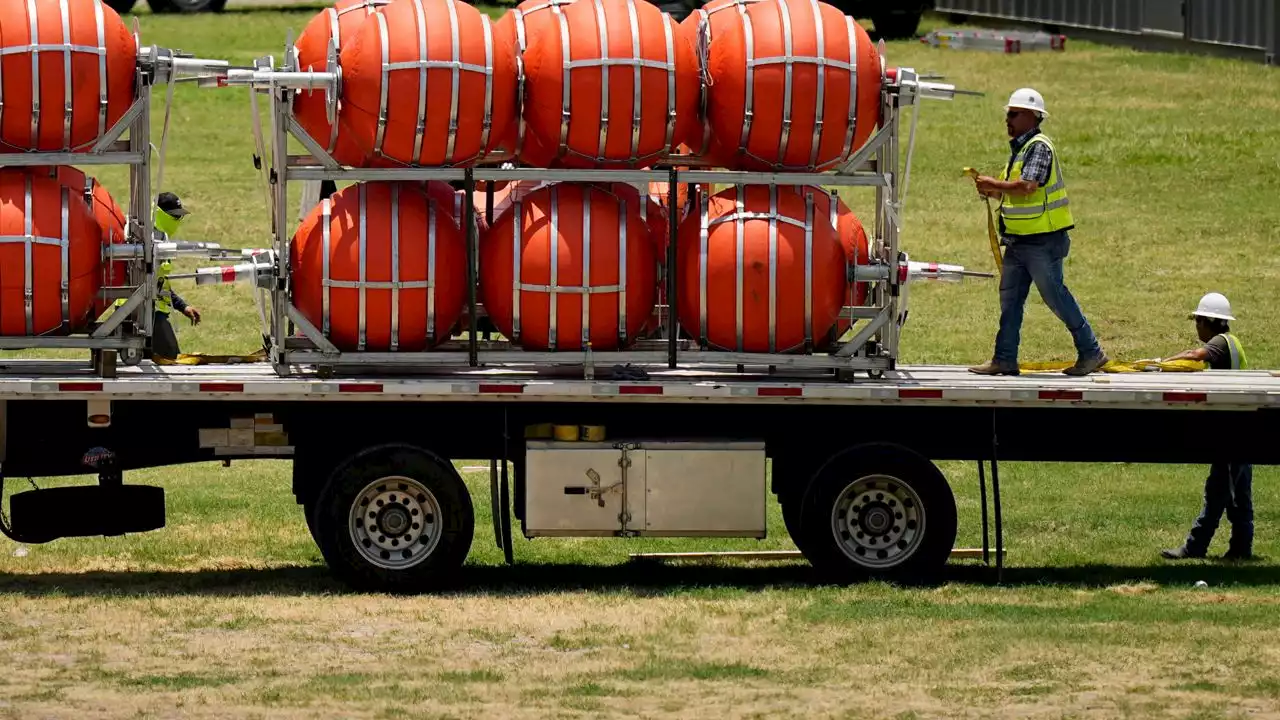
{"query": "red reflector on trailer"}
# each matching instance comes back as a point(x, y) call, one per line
point(222, 387)
point(919, 394)
point(640, 390)
point(1061, 395)
point(1185, 397)
point(779, 392)
point(360, 388)
point(229, 275)
point(80, 387)
point(512, 389)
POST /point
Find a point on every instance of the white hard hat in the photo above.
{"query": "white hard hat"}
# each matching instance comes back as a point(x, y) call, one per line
point(1027, 99)
point(1214, 305)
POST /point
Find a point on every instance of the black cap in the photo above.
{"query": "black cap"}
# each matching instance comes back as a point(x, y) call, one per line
point(170, 203)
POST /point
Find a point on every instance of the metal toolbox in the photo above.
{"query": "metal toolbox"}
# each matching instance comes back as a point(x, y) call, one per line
point(671, 489)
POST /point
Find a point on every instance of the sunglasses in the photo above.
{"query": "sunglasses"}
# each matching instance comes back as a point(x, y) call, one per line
point(1013, 114)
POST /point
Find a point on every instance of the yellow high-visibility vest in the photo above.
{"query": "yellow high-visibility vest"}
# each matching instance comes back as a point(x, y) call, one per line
point(1047, 209)
point(1239, 361)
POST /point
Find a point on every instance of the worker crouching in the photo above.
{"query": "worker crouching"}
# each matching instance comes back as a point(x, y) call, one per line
point(1035, 215)
point(1229, 487)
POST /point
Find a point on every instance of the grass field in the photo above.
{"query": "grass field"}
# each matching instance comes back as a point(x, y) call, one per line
point(1174, 167)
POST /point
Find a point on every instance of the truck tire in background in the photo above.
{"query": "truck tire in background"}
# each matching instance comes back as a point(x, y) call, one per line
point(878, 511)
point(184, 6)
point(394, 518)
point(121, 6)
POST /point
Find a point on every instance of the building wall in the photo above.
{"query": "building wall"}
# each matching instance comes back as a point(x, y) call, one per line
point(1247, 24)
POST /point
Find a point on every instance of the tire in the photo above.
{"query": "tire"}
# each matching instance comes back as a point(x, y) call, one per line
point(879, 512)
point(900, 25)
point(187, 6)
point(395, 518)
point(121, 6)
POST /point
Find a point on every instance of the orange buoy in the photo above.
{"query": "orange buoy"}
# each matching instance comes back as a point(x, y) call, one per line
point(791, 85)
point(50, 256)
point(566, 264)
point(425, 83)
point(107, 215)
point(699, 27)
point(66, 74)
point(759, 271)
point(514, 27)
point(340, 24)
point(853, 238)
point(608, 83)
point(380, 267)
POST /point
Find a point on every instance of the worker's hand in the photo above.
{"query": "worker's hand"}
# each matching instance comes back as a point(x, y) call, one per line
point(986, 186)
point(192, 313)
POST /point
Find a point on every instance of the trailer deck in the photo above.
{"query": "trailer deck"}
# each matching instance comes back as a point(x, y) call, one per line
point(910, 385)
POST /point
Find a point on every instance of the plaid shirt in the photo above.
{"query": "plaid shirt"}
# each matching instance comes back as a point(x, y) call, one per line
point(1035, 166)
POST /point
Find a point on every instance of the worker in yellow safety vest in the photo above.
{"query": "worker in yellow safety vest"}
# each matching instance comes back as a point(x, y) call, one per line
point(1035, 215)
point(166, 220)
point(1229, 487)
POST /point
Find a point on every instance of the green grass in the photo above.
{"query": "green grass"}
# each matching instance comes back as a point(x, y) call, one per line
point(229, 612)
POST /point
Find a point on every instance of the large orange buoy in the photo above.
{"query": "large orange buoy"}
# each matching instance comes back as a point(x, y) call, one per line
point(51, 258)
point(514, 27)
point(66, 74)
point(759, 271)
point(700, 27)
point(425, 83)
point(609, 83)
point(792, 85)
point(380, 267)
point(569, 263)
point(107, 215)
point(339, 24)
point(853, 238)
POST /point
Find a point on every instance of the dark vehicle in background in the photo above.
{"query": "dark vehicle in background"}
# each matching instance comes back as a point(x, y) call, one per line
point(893, 19)
point(170, 6)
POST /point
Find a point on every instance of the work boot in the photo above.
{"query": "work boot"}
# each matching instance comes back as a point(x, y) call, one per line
point(995, 368)
point(1237, 555)
point(1085, 366)
point(1181, 553)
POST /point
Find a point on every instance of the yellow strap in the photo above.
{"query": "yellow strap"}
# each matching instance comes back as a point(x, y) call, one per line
point(995, 241)
point(991, 226)
point(1117, 366)
point(205, 359)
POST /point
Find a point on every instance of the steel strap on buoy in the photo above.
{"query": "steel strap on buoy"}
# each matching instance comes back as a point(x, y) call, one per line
point(29, 241)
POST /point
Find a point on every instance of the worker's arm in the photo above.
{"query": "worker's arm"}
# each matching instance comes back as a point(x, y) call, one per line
point(992, 187)
point(186, 309)
point(1035, 173)
point(1199, 354)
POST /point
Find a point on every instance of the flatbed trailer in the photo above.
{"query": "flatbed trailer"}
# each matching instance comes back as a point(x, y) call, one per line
point(683, 452)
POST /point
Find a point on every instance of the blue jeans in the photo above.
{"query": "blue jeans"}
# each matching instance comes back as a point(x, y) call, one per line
point(1229, 488)
point(1038, 259)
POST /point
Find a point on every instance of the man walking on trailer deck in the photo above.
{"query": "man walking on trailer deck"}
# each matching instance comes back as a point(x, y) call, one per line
point(1035, 216)
point(1229, 486)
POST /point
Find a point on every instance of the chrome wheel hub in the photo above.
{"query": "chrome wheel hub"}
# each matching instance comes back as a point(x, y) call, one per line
point(395, 523)
point(877, 521)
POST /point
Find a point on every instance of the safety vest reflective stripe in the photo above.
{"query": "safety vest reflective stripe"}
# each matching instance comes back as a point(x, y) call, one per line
point(1238, 359)
point(1036, 209)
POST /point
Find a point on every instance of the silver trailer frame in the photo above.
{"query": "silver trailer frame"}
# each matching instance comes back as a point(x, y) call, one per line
point(293, 341)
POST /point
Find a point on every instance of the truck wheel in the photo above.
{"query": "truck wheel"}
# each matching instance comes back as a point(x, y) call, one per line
point(881, 512)
point(395, 518)
point(899, 25)
point(121, 6)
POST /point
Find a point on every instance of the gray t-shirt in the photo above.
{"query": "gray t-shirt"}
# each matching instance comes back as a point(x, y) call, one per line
point(1219, 353)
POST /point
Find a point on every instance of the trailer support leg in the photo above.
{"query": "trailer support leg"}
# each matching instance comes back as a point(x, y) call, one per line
point(995, 496)
point(500, 496)
point(986, 527)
